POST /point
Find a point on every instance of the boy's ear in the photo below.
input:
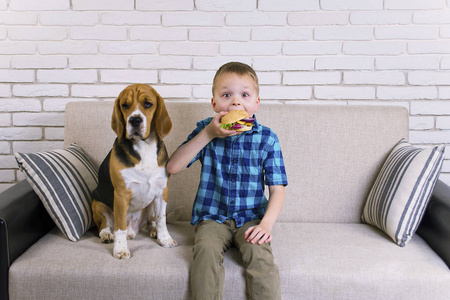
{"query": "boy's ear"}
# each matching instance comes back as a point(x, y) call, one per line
point(213, 103)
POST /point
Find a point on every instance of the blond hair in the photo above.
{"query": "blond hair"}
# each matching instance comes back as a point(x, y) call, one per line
point(236, 68)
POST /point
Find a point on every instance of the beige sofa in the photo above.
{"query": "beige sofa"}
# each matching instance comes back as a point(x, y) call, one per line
point(332, 154)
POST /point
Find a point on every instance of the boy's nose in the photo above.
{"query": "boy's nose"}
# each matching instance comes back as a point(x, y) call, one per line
point(236, 102)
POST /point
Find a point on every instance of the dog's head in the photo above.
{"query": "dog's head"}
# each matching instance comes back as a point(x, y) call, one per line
point(138, 111)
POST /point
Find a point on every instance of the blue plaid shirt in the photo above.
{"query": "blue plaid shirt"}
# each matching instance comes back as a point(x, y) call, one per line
point(234, 173)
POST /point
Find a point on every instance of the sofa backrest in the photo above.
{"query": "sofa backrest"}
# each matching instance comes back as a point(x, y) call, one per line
point(332, 153)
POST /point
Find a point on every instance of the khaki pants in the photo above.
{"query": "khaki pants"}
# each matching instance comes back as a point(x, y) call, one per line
point(207, 272)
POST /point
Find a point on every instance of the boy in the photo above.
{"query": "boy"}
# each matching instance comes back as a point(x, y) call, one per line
point(230, 207)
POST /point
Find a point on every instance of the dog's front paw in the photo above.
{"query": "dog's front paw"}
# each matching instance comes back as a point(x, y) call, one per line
point(106, 236)
point(167, 242)
point(153, 233)
point(122, 253)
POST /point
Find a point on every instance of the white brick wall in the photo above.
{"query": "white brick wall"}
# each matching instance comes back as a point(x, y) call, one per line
point(349, 52)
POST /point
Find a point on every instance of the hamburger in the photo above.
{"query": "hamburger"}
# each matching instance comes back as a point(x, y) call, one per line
point(237, 120)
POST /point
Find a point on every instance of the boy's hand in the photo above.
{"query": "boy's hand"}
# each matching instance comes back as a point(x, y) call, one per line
point(215, 131)
point(258, 234)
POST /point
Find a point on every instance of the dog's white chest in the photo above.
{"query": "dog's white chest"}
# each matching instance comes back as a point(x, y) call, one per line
point(146, 180)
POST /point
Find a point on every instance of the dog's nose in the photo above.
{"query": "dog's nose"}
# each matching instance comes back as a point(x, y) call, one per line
point(135, 121)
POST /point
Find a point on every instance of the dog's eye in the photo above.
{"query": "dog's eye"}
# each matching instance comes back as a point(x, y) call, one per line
point(125, 106)
point(148, 104)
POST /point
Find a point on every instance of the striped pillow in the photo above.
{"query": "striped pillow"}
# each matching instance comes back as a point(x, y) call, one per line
point(402, 189)
point(63, 180)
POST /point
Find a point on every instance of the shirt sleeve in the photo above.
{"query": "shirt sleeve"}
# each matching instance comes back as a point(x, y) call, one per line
point(274, 169)
point(200, 126)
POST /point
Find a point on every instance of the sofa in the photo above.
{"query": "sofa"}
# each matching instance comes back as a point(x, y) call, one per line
point(324, 248)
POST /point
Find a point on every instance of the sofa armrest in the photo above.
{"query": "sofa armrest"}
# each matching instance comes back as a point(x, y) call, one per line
point(435, 225)
point(23, 221)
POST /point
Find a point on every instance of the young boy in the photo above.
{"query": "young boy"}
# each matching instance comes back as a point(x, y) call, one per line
point(230, 207)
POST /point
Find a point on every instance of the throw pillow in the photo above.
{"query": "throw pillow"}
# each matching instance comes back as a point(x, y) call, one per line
point(63, 180)
point(400, 194)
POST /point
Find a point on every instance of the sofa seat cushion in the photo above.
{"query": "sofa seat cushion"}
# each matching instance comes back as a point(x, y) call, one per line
point(316, 261)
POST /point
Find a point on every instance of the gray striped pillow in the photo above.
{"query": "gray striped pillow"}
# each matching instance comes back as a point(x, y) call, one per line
point(400, 194)
point(63, 180)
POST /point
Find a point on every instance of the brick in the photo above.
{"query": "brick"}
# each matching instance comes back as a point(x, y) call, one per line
point(129, 76)
point(20, 104)
point(444, 92)
point(3, 5)
point(219, 34)
point(5, 90)
point(282, 34)
point(101, 91)
point(255, 19)
point(346, 33)
point(202, 91)
point(428, 137)
point(7, 176)
point(16, 76)
point(21, 18)
point(374, 48)
point(193, 19)
point(407, 63)
point(188, 48)
point(250, 48)
point(381, 18)
point(99, 33)
point(311, 48)
point(345, 93)
point(225, 5)
point(54, 133)
point(98, 62)
point(177, 91)
point(311, 78)
point(444, 32)
point(4, 62)
point(5, 120)
point(42, 5)
point(5, 148)
point(413, 32)
point(428, 78)
point(38, 119)
point(431, 17)
point(28, 147)
point(103, 5)
point(59, 104)
point(161, 62)
point(70, 18)
point(68, 47)
point(67, 76)
point(131, 18)
point(351, 5)
point(39, 62)
point(37, 90)
point(285, 92)
point(214, 63)
point(17, 48)
point(20, 134)
point(371, 77)
point(269, 78)
point(167, 5)
point(414, 4)
point(407, 93)
point(127, 47)
point(37, 33)
point(443, 123)
point(429, 47)
point(318, 18)
point(158, 34)
point(421, 123)
point(287, 5)
point(344, 63)
point(283, 63)
point(186, 77)
point(430, 108)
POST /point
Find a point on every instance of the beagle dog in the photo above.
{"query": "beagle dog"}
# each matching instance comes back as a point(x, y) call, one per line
point(133, 182)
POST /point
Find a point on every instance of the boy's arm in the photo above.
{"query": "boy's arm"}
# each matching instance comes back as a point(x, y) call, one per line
point(184, 155)
point(262, 233)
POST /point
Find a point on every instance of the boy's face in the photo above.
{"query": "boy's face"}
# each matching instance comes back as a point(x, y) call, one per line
point(235, 92)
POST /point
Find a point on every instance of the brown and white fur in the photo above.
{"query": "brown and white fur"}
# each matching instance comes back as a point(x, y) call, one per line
point(133, 181)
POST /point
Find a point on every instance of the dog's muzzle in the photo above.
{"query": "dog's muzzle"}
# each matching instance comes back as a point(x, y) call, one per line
point(136, 127)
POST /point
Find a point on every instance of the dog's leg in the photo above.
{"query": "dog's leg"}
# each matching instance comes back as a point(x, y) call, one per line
point(134, 225)
point(120, 250)
point(103, 219)
point(163, 235)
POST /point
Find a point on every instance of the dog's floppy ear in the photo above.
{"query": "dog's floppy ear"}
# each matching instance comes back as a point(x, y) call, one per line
point(163, 124)
point(117, 120)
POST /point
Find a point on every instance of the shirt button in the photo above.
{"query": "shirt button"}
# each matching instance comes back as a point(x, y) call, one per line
point(235, 160)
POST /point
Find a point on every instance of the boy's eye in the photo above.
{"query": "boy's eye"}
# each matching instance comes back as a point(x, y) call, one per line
point(245, 95)
point(226, 95)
